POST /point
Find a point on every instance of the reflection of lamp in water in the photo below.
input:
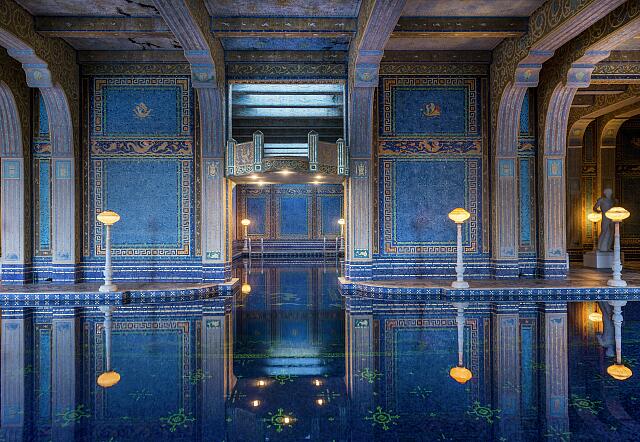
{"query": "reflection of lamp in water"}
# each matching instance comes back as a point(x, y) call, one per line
point(459, 216)
point(245, 224)
point(261, 383)
point(320, 401)
point(317, 382)
point(342, 223)
point(108, 218)
point(255, 403)
point(595, 218)
point(460, 373)
point(109, 377)
point(617, 214)
point(595, 316)
point(617, 370)
point(246, 288)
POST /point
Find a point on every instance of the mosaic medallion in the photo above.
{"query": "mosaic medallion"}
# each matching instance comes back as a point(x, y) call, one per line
point(197, 376)
point(178, 419)
point(421, 392)
point(284, 378)
point(558, 434)
point(73, 415)
point(382, 418)
point(584, 403)
point(369, 375)
point(279, 420)
point(484, 412)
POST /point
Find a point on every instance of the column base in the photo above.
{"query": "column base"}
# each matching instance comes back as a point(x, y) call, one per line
point(65, 273)
point(359, 270)
point(550, 269)
point(17, 273)
point(216, 272)
point(506, 269)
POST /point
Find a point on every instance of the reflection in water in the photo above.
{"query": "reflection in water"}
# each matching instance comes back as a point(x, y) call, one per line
point(290, 359)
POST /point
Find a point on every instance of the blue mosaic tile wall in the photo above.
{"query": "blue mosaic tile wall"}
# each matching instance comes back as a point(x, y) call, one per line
point(526, 167)
point(294, 212)
point(142, 164)
point(628, 183)
point(432, 151)
point(41, 173)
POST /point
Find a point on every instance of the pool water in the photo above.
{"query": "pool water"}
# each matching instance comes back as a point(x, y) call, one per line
point(289, 357)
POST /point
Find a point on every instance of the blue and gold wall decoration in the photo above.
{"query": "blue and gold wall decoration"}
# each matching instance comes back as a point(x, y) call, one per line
point(432, 153)
point(526, 176)
point(41, 172)
point(416, 196)
point(294, 212)
point(142, 164)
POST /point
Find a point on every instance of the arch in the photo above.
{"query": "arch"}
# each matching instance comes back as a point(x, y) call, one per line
point(575, 138)
point(16, 261)
point(63, 201)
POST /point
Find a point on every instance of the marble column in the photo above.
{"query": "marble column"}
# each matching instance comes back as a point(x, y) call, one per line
point(16, 383)
point(217, 367)
point(506, 369)
point(554, 385)
point(65, 346)
point(361, 375)
point(359, 188)
point(16, 256)
point(216, 203)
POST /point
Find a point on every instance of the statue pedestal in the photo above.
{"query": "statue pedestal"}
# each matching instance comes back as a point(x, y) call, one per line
point(599, 260)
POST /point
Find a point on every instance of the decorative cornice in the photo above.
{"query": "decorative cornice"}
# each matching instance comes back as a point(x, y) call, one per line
point(286, 70)
point(285, 56)
point(111, 68)
point(462, 57)
point(476, 27)
point(433, 69)
point(131, 57)
point(282, 26)
point(101, 27)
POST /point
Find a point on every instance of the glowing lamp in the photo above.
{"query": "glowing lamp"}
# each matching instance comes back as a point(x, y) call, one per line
point(255, 403)
point(317, 382)
point(595, 217)
point(286, 420)
point(108, 379)
point(320, 401)
point(617, 214)
point(460, 374)
point(108, 217)
point(459, 215)
point(246, 289)
point(261, 383)
point(341, 221)
point(245, 222)
point(595, 317)
point(619, 372)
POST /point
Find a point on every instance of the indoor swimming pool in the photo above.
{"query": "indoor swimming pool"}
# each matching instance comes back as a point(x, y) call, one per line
point(290, 357)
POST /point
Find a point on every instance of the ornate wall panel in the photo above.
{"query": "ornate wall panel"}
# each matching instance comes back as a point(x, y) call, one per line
point(142, 164)
point(431, 154)
point(41, 156)
point(290, 212)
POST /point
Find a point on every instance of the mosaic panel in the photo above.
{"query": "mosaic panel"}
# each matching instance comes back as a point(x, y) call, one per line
point(41, 161)
point(443, 106)
point(294, 216)
point(330, 211)
point(155, 220)
point(417, 194)
point(142, 165)
point(257, 212)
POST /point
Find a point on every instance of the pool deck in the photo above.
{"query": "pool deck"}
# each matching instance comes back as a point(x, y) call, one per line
point(580, 284)
point(87, 294)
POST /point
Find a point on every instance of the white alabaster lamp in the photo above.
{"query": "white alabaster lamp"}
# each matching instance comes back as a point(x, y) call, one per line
point(109, 377)
point(460, 373)
point(617, 370)
point(617, 214)
point(245, 224)
point(595, 218)
point(108, 218)
point(458, 216)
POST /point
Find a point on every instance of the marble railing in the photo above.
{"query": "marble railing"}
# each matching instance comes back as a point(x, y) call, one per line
point(322, 157)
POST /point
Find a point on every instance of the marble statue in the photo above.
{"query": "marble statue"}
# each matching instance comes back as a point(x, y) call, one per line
point(607, 337)
point(604, 203)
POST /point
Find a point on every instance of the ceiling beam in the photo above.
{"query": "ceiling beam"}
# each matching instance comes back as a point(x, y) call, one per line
point(282, 27)
point(475, 27)
point(102, 27)
point(602, 89)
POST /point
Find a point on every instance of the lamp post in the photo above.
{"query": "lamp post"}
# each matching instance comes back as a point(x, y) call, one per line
point(460, 373)
point(617, 214)
point(617, 370)
point(595, 218)
point(458, 216)
point(108, 218)
point(341, 222)
point(109, 377)
point(245, 224)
